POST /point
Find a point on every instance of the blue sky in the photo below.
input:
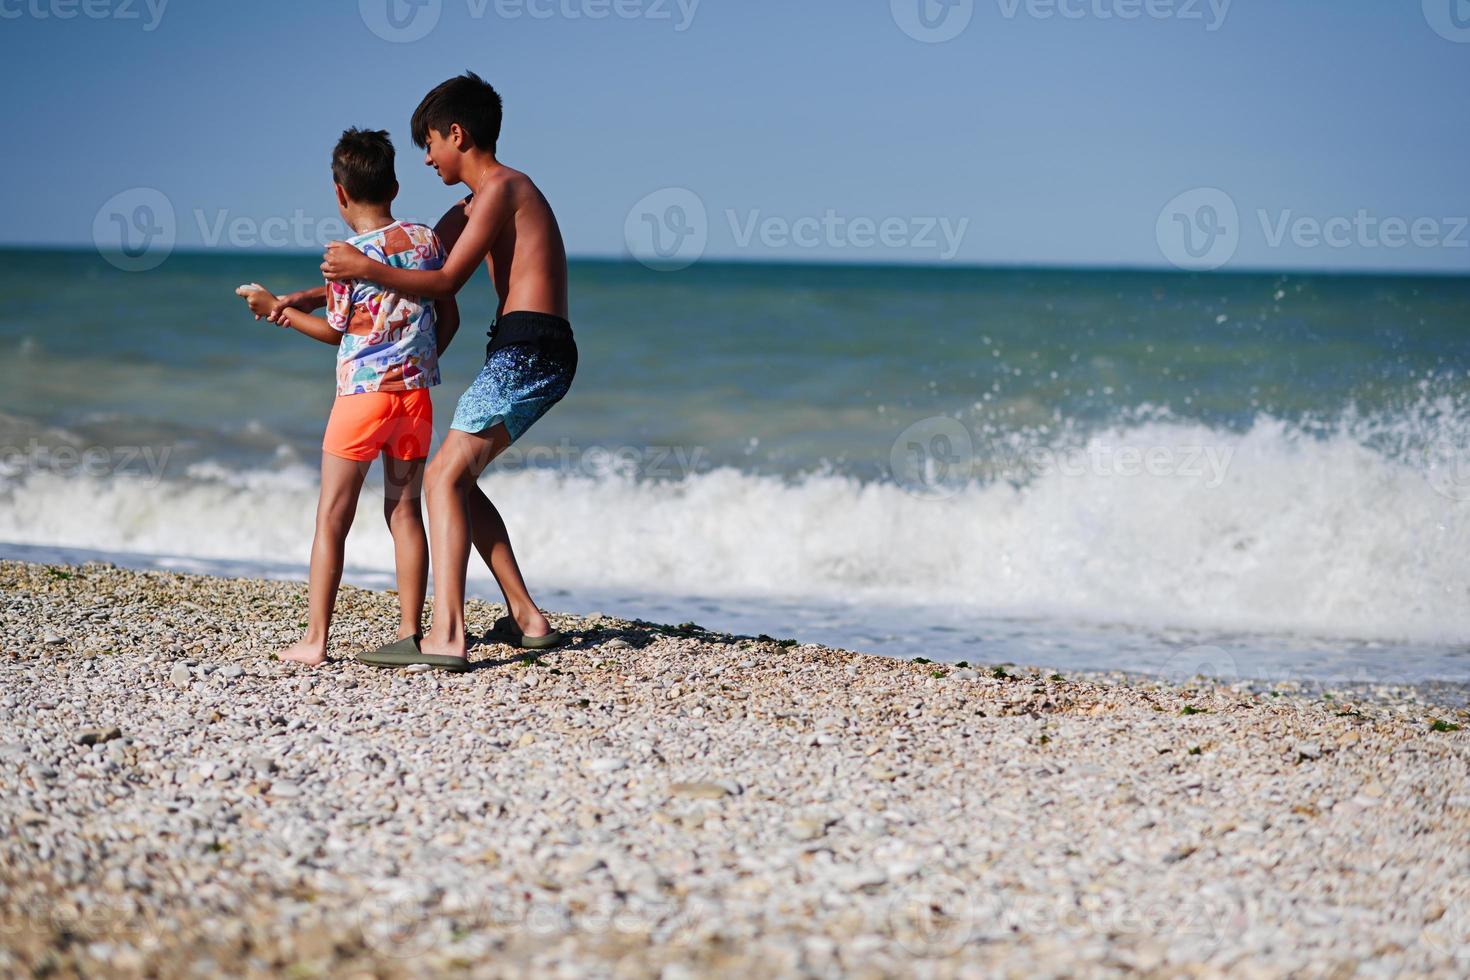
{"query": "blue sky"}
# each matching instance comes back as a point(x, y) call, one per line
point(1053, 132)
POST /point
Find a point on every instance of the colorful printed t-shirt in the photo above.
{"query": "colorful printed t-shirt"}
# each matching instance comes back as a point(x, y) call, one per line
point(389, 342)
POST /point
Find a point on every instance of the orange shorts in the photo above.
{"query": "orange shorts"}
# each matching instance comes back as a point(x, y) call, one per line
point(399, 423)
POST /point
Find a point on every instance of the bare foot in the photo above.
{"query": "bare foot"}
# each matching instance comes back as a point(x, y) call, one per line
point(305, 652)
point(436, 645)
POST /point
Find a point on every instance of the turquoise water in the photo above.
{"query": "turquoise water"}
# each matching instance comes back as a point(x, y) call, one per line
point(816, 364)
point(899, 459)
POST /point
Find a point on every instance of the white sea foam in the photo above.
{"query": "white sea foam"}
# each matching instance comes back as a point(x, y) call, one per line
point(1326, 534)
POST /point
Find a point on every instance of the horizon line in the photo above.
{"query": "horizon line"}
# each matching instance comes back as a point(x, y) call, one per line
point(716, 260)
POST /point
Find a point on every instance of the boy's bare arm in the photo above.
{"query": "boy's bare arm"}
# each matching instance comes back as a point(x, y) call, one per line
point(305, 300)
point(493, 206)
point(262, 302)
point(451, 226)
point(446, 322)
point(313, 326)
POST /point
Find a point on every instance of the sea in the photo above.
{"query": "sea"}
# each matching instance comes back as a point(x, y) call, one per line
point(1249, 476)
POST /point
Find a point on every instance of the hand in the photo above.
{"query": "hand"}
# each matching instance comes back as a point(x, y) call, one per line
point(342, 261)
point(262, 301)
point(302, 299)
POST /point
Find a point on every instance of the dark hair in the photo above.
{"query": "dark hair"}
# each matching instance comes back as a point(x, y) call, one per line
point(468, 100)
point(363, 164)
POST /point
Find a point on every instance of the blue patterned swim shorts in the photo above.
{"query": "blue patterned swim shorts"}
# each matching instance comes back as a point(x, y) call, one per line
point(529, 365)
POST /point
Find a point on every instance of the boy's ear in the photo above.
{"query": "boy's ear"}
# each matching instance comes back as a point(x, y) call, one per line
point(341, 196)
point(457, 136)
point(394, 196)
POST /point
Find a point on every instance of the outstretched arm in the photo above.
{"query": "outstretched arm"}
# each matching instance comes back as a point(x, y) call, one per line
point(264, 303)
point(491, 209)
point(305, 300)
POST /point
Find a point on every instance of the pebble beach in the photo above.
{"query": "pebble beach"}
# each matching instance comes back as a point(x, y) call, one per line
point(658, 800)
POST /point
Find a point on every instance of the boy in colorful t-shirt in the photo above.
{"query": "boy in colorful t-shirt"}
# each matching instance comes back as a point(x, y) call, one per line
point(388, 346)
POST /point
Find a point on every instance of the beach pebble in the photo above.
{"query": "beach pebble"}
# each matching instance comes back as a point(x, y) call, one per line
point(180, 676)
point(96, 736)
point(863, 879)
point(581, 865)
point(806, 829)
point(52, 638)
point(699, 791)
point(595, 824)
point(901, 870)
point(607, 764)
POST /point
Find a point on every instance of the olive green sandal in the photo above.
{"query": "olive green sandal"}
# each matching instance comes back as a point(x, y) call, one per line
point(506, 631)
point(406, 653)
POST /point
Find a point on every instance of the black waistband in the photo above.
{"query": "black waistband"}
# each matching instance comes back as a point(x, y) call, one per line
point(523, 327)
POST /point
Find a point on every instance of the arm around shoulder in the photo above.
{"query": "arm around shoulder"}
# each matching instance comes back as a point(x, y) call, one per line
point(493, 207)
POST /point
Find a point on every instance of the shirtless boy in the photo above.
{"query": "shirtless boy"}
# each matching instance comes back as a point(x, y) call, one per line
point(507, 224)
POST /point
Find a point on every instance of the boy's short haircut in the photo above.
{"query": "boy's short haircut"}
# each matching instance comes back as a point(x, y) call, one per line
point(468, 100)
point(363, 164)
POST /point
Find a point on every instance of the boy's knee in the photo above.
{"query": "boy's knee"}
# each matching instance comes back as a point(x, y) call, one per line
point(336, 517)
point(446, 478)
point(402, 511)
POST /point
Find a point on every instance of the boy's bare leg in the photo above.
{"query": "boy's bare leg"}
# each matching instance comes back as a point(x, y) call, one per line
point(341, 483)
point(403, 486)
point(492, 541)
point(450, 487)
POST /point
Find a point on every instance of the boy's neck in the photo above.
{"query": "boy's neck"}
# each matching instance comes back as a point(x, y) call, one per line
point(369, 218)
point(476, 166)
